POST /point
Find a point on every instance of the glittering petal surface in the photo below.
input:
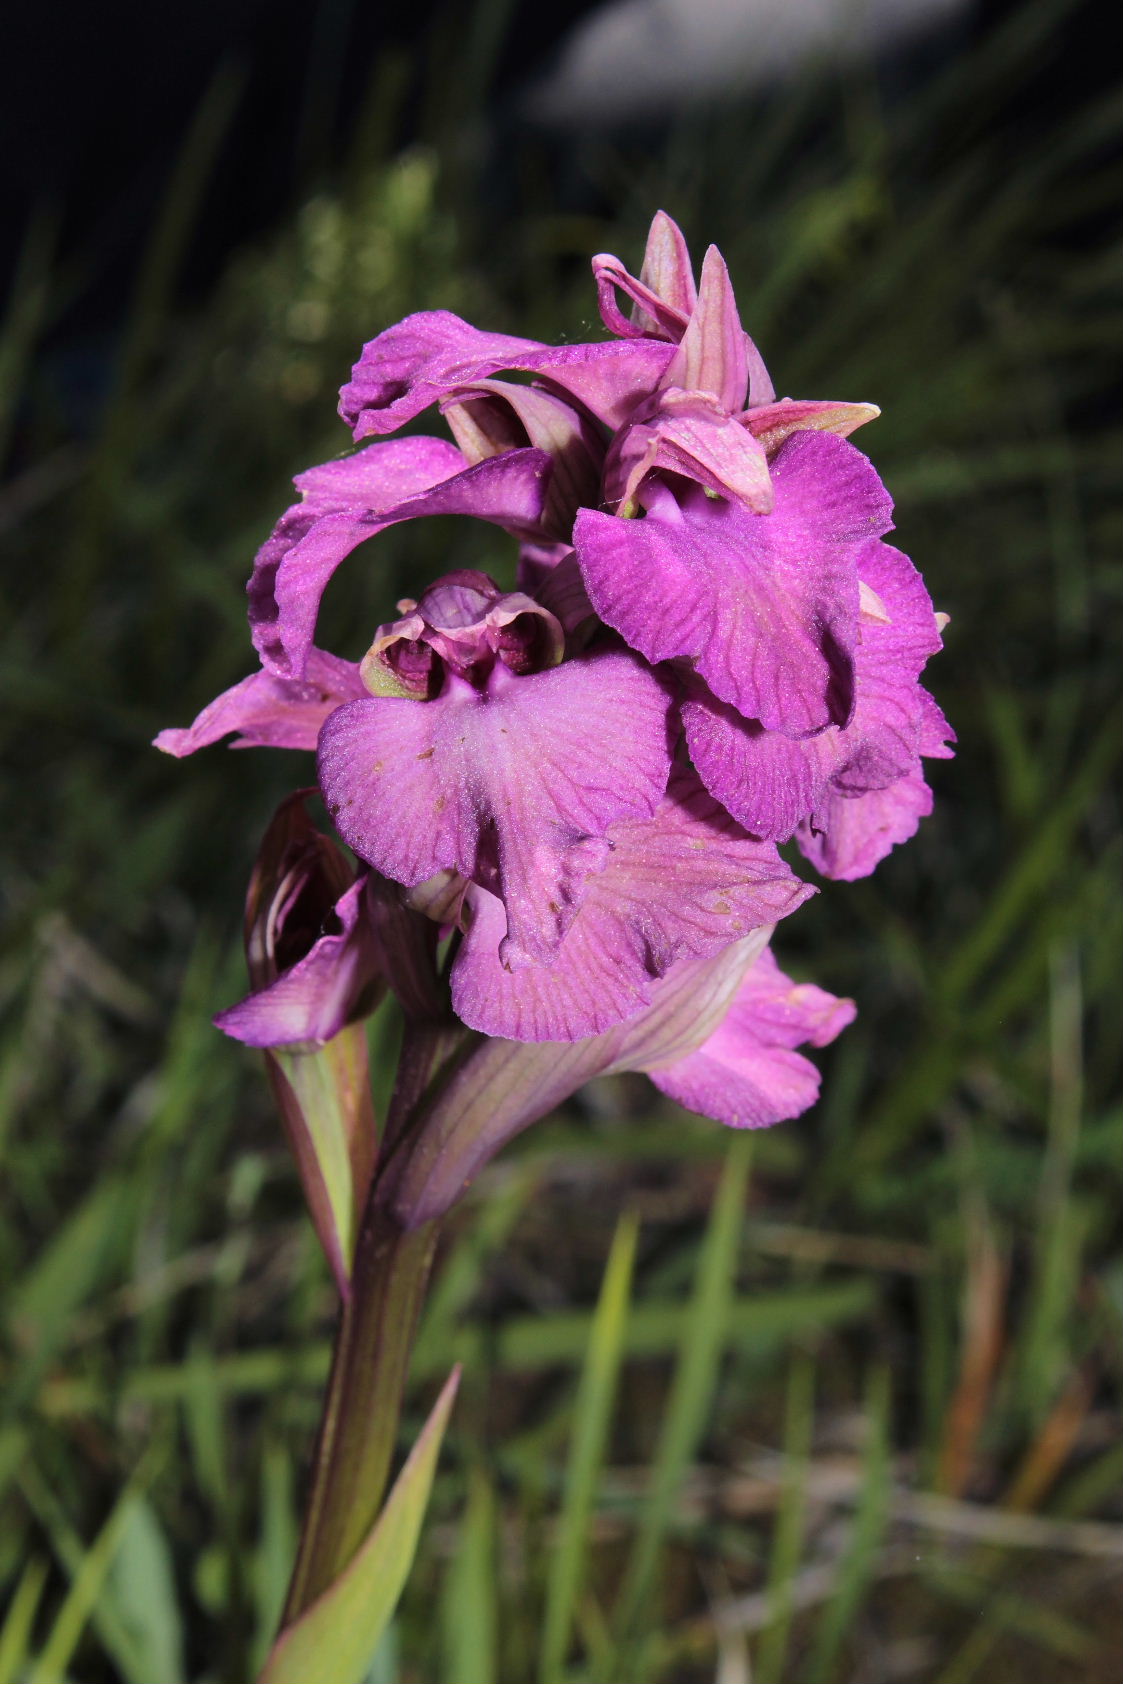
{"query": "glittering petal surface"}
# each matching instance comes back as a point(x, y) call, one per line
point(682, 885)
point(514, 786)
point(294, 565)
point(313, 1000)
point(747, 1074)
point(271, 712)
point(420, 360)
point(765, 606)
point(770, 782)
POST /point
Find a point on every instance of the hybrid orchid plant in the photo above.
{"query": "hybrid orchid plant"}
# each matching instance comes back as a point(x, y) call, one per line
point(563, 801)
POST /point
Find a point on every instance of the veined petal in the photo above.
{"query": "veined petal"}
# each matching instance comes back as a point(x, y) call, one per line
point(311, 1001)
point(271, 712)
point(414, 363)
point(689, 434)
point(610, 378)
point(377, 477)
point(747, 1073)
point(712, 355)
point(514, 786)
point(667, 270)
point(421, 360)
point(773, 422)
point(502, 1086)
point(849, 835)
point(770, 782)
point(764, 606)
point(682, 885)
point(293, 567)
point(492, 416)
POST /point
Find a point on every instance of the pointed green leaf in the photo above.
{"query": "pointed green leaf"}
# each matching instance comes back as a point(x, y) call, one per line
point(469, 1612)
point(141, 1588)
point(15, 1635)
point(336, 1637)
point(592, 1415)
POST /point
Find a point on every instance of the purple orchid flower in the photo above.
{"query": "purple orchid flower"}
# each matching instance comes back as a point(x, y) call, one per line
point(565, 799)
point(696, 555)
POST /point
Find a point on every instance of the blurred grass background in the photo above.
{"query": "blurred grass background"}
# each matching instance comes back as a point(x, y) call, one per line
point(838, 1403)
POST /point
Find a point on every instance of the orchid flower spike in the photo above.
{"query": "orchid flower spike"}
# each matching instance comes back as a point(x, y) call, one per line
point(576, 786)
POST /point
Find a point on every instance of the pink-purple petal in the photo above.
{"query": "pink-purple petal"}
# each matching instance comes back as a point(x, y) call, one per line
point(295, 564)
point(421, 360)
point(682, 885)
point(773, 422)
point(315, 998)
point(770, 782)
point(712, 355)
point(415, 363)
point(271, 712)
point(764, 606)
point(747, 1073)
point(514, 786)
point(849, 835)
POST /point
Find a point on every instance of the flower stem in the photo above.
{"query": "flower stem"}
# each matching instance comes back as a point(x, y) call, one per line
point(359, 1424)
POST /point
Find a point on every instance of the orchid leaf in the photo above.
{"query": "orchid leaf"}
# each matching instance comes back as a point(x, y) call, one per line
point(336, 1637)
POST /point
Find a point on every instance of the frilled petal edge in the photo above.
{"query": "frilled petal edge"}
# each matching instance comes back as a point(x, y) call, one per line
point(681, 885)
point(764, 606)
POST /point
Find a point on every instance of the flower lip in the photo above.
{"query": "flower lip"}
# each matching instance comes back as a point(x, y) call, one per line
point(462, 624)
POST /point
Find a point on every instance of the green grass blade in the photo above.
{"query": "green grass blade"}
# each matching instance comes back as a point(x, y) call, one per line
point(469, 1607)
point(592, 1414)
point(141, 1589)
point(15, 1636)
point(705, 1329)
point(84, 1595)
point(858, 1564)
point(787, 1542)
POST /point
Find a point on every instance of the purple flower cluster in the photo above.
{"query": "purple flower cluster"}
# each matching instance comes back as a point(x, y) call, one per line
point(711, 650)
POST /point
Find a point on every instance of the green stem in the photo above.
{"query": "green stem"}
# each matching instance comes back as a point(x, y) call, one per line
point(359, 1424)
point(370, 1361)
